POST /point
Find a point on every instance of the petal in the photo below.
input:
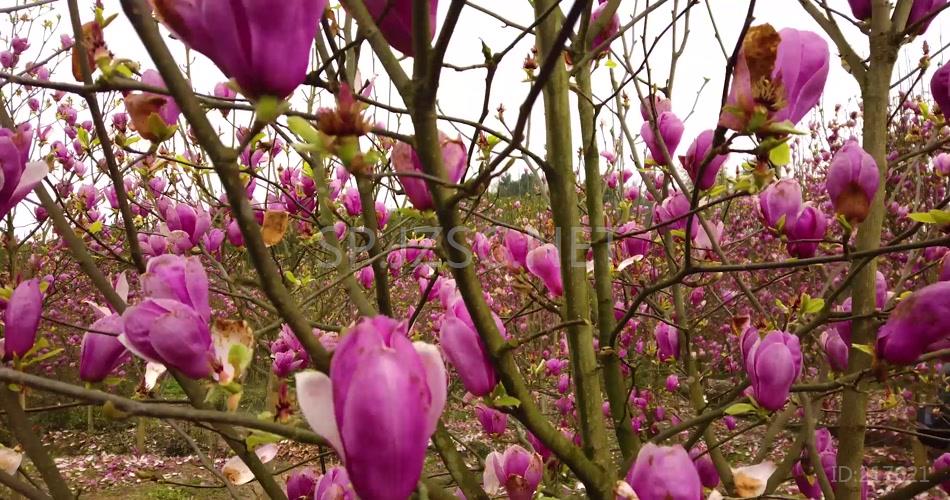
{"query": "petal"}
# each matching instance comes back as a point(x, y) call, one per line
point(750, 480)
point(490, 479)
point(182, 339)
point(315, 396)
point(435, 378)
point(9, 460)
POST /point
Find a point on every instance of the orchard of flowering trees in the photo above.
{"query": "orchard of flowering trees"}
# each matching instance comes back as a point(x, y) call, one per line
point(466, 249)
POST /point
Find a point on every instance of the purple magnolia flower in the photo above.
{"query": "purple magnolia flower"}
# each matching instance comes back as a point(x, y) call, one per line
point(852, 182)
point(289, 354)
point(780, 202)
point(773, 363)
point(943, 462)
point(667, 341)
point(171, 326)
point(674, 208)
point(468, 354)
point(664, 473)
point(945, 268)
point(493, 421)
point(102, 353)
point(779, 76)
point(672, 382)
point(942, 164)
point(805, 232)
point(940, 88)
point(335, 485)
point(351, 202)
point(544, 262)
point(21, 319)
point(671, 131)
point(920, 323)
point(695, 156)
point(262, 46)
point(861, 9)
point(152, 114)
point(185, 218)
point(922, 12)
point(708, 475)
point(224, 91)
point(377, 366)
point(631, 246)
point(518, 471)
point(394, 18)
point(610, 29)
point(836, 351)
point(654, 104)
point(517, 245)
point(407, 163)
point(19, 175)
point(301, 484)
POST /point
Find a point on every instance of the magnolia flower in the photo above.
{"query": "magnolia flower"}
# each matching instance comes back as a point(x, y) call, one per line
point(408, 166)
point(544, 262)
point(673, 211)
point(671, 131)
point(21, 319)
point(518, 471)
point(516, 247)
point(942, 462)
point(493, 421)
point(263, 46)
point(610, 29)
point(301, 484)
point(667, 341)
point(102, 353)
point(852, 182)
point(773, 364)
point(468, 354)
point(779, 76)
point(394, 18)
point(153, 115)
point(836, 351)
point(780, 202)
point(695, 157)
point(654, 106)
point(750, 481)
point(10, 460)
point(940, 88)
point(805, 231)
point(377, 366)
point(19, 175)
point(664, 473)
point(238, 473)
point(920, 323)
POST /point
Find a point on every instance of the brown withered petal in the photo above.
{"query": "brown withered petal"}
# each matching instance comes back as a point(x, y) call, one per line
point(140, 108)
point(760, 47)
point(275, 226)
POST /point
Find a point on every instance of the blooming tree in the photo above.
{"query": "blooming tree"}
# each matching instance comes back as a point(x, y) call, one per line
point(615, 320)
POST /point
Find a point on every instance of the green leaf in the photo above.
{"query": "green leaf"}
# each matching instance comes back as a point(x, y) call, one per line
point(260, 438)
point(780, 155)
point(506, 401)
point(269, 108)
point(866, 349)
point(95, 227)
point(717, 190)
point(304, 130)
point(240, 356)
point(289, 276)
point(740, 409)
point(232, 387)
point(922, 217)
point(83, 137)
point(813, 306)
point(785, 127)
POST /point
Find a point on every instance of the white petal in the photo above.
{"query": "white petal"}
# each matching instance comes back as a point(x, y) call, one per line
point(750, 480)
point(714, 495)
point(236, 471)
point(128, 345)
point(152, 372)
point(625, 263)
point(624, 491)
point(436, 379)
point(101, 311)
point(34, 172)
point(9, 460)
point(490, 481)
point(267, 452)
point(122, 286)
point(315, 396)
